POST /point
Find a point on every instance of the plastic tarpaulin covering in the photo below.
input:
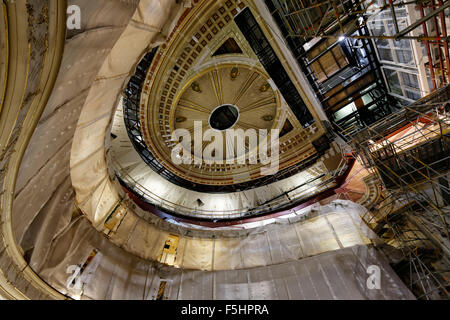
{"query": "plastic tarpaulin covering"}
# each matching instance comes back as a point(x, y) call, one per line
point(266, 264)
point(339, 274)
point(326, 228)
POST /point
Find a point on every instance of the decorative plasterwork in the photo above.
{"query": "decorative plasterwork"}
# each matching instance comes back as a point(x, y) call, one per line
point(179, 64)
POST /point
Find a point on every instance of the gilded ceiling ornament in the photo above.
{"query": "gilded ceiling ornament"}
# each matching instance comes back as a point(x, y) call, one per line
point(234, 73)
point(265, 87)
point(196, 87)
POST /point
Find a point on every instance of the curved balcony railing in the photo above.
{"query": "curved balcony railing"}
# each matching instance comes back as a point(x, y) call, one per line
point(284, 201)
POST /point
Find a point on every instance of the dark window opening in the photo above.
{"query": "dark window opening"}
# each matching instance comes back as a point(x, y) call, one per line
point(230, 46)
point(288, 127)
point(224, 117)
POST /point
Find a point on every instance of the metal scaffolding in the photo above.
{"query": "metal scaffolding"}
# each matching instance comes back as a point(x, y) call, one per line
point(402, 46)
point(315, 18)
point(305, 20)
point(441, 60)
point(409, 151)
point(372, 98)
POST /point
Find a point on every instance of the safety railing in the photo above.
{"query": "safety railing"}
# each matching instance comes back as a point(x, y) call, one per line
point(284, 200)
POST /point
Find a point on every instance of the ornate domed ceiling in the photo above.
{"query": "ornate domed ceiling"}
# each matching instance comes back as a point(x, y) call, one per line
point(224, 97)
point(247, 89)
point(205, 70)
point(220, 123)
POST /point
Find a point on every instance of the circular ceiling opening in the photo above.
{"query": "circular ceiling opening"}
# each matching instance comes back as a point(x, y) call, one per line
point(224, 117)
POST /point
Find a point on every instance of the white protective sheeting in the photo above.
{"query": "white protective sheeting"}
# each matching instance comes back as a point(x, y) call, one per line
point(86, 68)
point(95, 194)
point(267, 263)
point(313, 231)
point(44, 171)
point(339, 274)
